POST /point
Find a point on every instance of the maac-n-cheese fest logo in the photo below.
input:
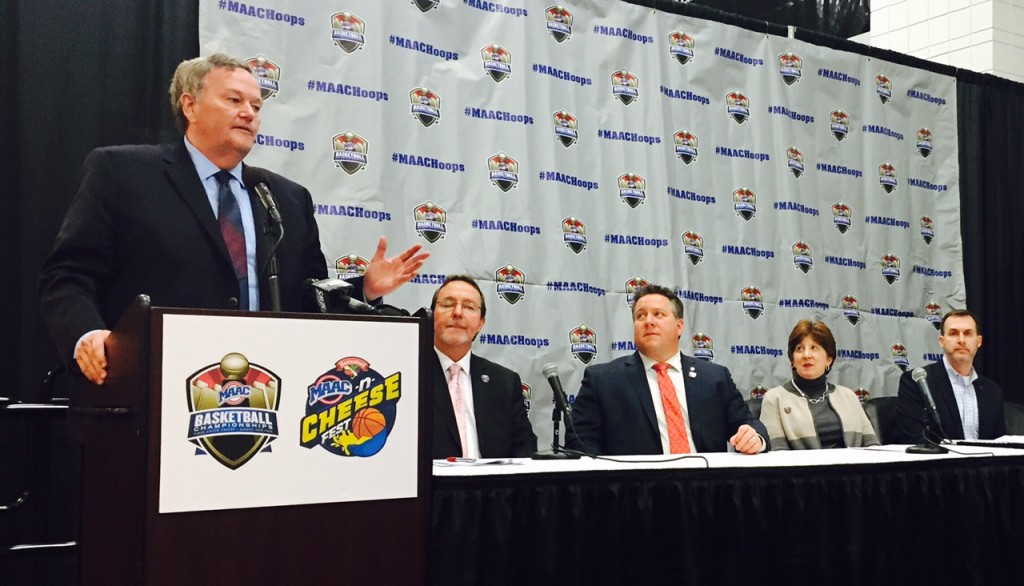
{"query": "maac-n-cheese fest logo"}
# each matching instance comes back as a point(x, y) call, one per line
point(351, 409)
point(233, 406)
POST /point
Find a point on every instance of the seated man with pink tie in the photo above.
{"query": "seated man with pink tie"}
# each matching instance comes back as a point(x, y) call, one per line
point(659, 401)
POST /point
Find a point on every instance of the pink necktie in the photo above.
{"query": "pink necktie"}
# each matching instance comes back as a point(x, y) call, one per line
point(459, 404)
point(677, 441)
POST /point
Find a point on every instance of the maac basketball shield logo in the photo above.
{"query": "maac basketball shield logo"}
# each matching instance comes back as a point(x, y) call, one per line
point(680, 47)
point(625, 86)
point(347, 31)
point(851, 308)
point(527, 396)
point(686, 146)
point(927, 229)
point(883, 87)
point(583, 343)
point(574, 234)
point(510, 283)
point(795, 161)
point(744, 202)
point(559, 22)
point(233, 406)
point(268, 75)
point(802, 258)
point(351, 409)
point(737, 105)
point(933, 313)
point(703, 346)
point(350, 151)
point(350, 266)
point(631, 287)
point(839, 124)
point(497, 62)
point(842, 216)
point(753, 302)
point(924, 141)
point(900, 356)
point(790, 67)
point(890, 267)
point(426, 5)
point(887, 177)
point(693, 246)
point(503, 171)
point(425, 105)
point(632, 189)
point(566, 128)
point(862, 394)
point(430, 221)
point(758, 392)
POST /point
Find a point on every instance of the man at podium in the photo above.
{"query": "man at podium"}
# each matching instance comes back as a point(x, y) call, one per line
point(183, 223)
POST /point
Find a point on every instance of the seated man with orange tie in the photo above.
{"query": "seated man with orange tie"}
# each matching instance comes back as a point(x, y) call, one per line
point(659, 401)
point(479, 411)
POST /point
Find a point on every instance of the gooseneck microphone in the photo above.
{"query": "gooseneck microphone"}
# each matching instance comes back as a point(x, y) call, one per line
point(927, 446)
point(258, 180)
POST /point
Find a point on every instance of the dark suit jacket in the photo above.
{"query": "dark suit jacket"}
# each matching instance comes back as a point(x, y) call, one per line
point(910, 413)
point(613, 413)
point(502, 426)
point(141, 223)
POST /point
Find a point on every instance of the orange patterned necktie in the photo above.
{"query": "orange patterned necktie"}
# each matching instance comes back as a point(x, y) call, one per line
point(677, 442)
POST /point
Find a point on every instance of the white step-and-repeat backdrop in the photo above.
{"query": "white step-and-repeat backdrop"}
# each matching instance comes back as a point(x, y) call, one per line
point(563, 153)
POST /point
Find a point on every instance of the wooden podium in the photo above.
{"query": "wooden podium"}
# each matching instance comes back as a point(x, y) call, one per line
point(185, 482)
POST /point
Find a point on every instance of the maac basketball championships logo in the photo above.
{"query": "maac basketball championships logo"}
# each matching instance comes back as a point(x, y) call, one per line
point(566, 128)
point(933, 314)
point(497, 62)
point(350, 151)
point(347, 31)
point(839, 124)
point(510, 283)
point(790, 67)
point(703, 346)
point(842, 216)
point(559, 22)
point(503, 171)
point(795, 161)
point(527, 396)
point(737, 105)
point(430, 221)
point(924, 141)
point(267, 74)
point(583, 343)
point(625, 86)
point(890, 267)
point(753, 301)
point(351, 409)
point(425, 105)
point(887, 177)
point(632, 189)
point(883, 87)
point(862, 394)
point(744, 202)
point(758, 392)
point(686, 146)
point(680, 47)
point(426, 5)
point(350, 266)
point(631, 287)
point(900, 356)
point(927, 229)
point(233, 406)
point(574, 234)
point(693, 246)
point(802, 257)
point(851, 308)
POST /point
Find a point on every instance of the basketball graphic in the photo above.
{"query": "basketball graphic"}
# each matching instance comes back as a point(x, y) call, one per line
point(368, 423)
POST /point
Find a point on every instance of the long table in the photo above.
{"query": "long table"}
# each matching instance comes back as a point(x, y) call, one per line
point(855, 516)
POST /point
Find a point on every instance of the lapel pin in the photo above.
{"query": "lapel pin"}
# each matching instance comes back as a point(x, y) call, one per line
point(485, 378)
point(693, 372)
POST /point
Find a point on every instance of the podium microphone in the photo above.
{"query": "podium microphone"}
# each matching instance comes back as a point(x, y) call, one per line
point(257, 178)
point(926, 446)
point(561, 405)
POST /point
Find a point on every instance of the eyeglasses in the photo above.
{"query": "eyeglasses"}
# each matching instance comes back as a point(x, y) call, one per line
point(447, 305)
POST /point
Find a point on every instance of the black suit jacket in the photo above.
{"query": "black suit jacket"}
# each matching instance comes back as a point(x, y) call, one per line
point(613, 413)
point(910, 413)
point(502, 426)
point(141, 223)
